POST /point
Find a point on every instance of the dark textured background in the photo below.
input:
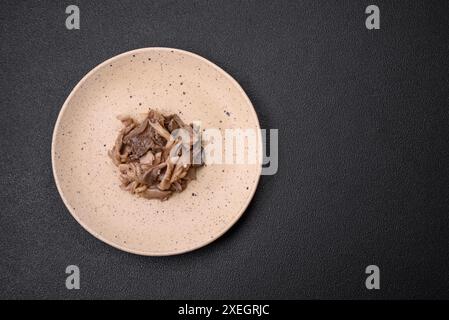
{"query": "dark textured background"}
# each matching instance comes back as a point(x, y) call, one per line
point(363, 162)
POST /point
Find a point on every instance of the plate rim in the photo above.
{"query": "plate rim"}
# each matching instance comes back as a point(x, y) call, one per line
point(99, 236)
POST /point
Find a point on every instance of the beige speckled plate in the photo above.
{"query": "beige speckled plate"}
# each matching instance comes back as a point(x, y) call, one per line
point(172, 81)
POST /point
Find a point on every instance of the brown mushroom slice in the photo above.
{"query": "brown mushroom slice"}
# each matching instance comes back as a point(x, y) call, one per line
point(176, 118)
point(140, 144)
point(161, 130)
point(123, 168)
point(168, 149)
point(172, 125)
point(158, 140)
point(179, 172)
point(129, 171)
point(152, 174)
point(136, 131)
point(116, 152)
point(155, 116)
point(165, 182)
point(125, 119)
point(193, 137)
point(155, 193)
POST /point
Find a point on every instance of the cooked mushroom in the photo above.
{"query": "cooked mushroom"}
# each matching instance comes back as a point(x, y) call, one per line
point(154, 162)
point(151, 176)
point(160, 130)
point(155, 193)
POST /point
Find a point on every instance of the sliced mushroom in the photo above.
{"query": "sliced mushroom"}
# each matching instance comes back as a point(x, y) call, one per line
point(141, 188)
point(155, 116)
point(155, 193)
point(151, 175)
point(152, 160)
point(161, 130)
point(165, 182)
point(136, 131)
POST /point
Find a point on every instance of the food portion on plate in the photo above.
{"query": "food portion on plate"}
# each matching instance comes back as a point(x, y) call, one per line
point(149, 154)
point(156, 156)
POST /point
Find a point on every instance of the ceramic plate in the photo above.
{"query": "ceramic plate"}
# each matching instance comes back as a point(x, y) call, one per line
point(171, 81)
